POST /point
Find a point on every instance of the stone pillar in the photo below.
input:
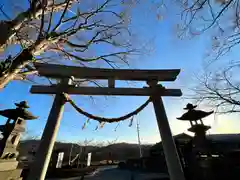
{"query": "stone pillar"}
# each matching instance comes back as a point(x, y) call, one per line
point(172, 159)
point(39, 168)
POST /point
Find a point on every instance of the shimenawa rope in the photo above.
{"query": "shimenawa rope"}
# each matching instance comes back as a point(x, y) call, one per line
point(102, 119)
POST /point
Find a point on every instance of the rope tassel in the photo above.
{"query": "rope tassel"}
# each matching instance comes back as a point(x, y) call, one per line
point(131, 122)
point(88, 121)
point(102, 124)
point(116, 127)
point(84, 126)
point(96, 128)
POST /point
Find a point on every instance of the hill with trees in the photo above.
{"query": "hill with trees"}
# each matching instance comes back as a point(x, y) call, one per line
point(116, 151)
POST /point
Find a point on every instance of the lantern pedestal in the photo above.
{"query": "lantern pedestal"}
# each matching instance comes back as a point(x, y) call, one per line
point(12, 174)
point(199, 129)
point(199, 139)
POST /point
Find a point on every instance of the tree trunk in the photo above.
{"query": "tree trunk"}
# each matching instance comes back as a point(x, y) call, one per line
point(17, 65)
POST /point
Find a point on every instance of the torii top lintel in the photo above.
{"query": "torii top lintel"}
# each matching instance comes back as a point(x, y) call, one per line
point(62, 71)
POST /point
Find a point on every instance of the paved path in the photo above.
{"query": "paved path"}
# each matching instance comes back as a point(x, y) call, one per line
point(112, 173)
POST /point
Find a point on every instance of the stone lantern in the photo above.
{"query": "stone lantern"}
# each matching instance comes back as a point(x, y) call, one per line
point(199, 145)
point(11, 132)
point(197, 127)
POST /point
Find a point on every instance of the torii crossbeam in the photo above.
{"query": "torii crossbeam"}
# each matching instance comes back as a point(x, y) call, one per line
point(64, 73)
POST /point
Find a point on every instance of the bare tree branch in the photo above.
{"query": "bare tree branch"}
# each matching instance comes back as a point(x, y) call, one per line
point(220, 90)
point(73, 37)
point(63, 14)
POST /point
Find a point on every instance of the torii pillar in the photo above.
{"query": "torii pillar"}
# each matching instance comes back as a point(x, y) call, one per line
point(38, 170)
point(172, 159)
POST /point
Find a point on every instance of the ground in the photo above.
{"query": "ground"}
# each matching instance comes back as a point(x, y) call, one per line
point(113, 173)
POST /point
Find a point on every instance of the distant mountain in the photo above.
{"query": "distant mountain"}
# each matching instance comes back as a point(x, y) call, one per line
point(118, 151)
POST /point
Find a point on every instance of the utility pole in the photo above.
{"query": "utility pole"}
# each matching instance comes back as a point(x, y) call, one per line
point(139, 141)
point(70, 154)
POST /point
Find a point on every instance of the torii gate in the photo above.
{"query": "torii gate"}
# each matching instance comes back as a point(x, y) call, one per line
point(64, 73)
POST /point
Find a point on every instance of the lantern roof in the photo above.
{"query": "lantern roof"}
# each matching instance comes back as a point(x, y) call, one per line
point(193, 115)
point(19, 112)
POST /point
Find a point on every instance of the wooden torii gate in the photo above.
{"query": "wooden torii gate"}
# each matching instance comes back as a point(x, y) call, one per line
point(64, 73)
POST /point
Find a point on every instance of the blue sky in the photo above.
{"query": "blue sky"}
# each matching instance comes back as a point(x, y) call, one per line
point(168, 52)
